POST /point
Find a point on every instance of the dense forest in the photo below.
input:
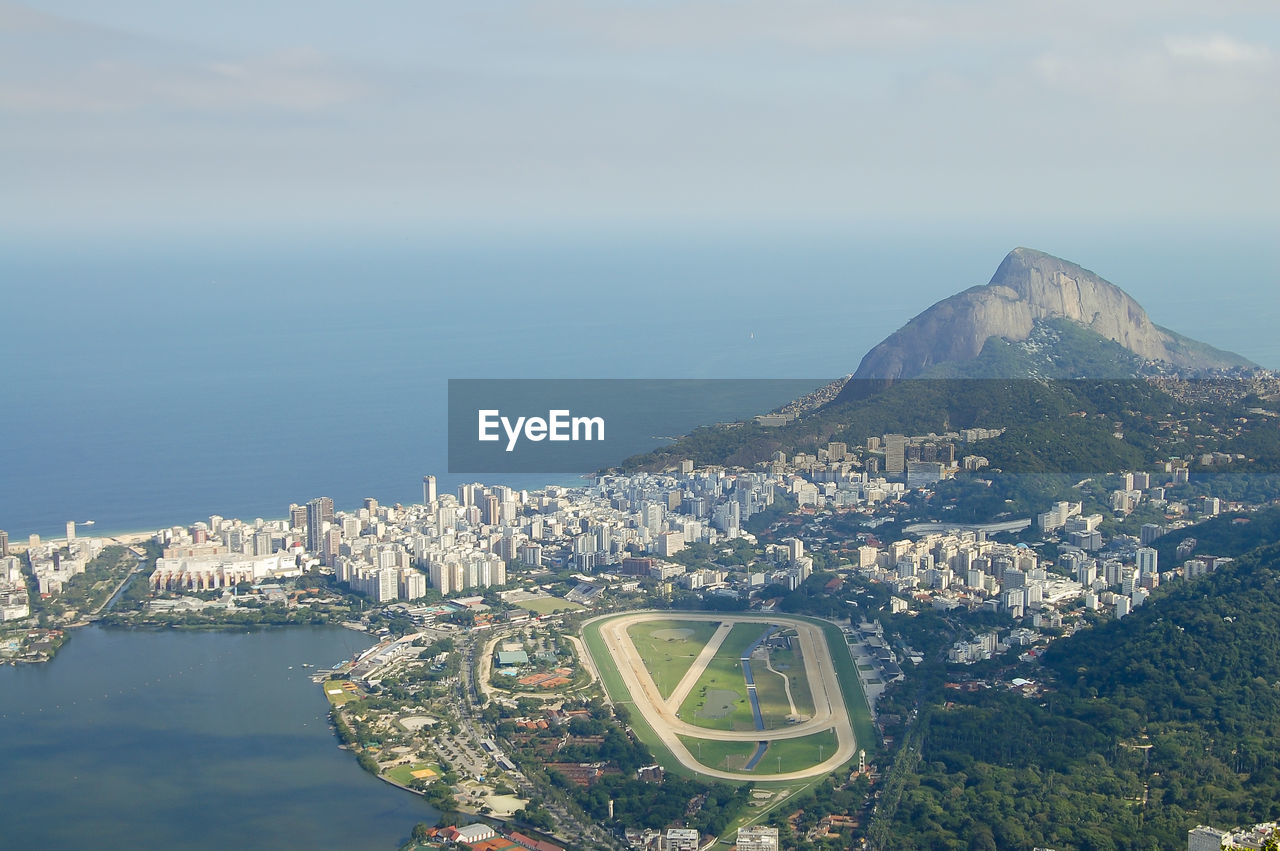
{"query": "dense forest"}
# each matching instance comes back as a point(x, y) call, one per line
point(1232, 534)
point(1147, 726)
point(1065, 426)
point(603, 740)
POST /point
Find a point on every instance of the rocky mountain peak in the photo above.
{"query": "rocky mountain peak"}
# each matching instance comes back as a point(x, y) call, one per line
point(1027, 288)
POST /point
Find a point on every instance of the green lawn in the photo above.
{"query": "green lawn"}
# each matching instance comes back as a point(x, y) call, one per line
point(774, 708)
point(855, 699)
point(793, 660)
point(669, 646)
point(547, 605)
point(795, 754)
point(783, 755)
point(784, 794)
point(726, 756)
point(718, 700)
point(403, 774)
point(344, 697)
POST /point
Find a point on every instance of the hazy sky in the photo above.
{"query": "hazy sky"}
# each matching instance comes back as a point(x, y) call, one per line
point(149, 112)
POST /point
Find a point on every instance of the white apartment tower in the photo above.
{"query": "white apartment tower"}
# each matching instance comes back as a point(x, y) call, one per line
point(1148, 559)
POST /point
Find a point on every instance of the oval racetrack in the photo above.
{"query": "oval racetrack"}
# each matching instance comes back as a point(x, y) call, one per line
point(830, 710)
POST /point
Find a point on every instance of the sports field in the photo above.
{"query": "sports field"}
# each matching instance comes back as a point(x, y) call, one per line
point(719, 700)
point(340, 692)
point(406, 774)
point(705, 723)
point(669, 648)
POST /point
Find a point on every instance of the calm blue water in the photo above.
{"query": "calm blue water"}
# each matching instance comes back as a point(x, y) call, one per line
point(154, 381)
point(196, 740)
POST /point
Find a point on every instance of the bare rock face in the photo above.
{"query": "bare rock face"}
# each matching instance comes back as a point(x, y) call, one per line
point(1028, 286)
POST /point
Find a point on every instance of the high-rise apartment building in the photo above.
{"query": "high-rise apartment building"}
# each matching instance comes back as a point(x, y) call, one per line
point(413, 585)
point(1148, 559)
point(895, 453)
point(319, 512)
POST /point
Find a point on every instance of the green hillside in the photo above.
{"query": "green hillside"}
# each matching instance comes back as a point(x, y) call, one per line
point(1190, 348)
point(1149, 726)
point(1231, 534)
point(1053, 426)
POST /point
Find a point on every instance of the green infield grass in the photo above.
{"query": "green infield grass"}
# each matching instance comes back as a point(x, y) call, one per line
point(786, 755)
point(725, 756)
point(668, 647)
point(791, 663)
point(718, 700)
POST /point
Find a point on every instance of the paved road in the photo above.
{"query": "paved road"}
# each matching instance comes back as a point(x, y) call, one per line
point(830, 710)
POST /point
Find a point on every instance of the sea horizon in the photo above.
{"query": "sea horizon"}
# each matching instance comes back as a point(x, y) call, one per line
point(163, 381)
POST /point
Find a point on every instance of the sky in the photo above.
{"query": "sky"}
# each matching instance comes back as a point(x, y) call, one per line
point(149, 114)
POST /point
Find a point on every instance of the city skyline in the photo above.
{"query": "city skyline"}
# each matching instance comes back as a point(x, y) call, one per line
point(1006, 578)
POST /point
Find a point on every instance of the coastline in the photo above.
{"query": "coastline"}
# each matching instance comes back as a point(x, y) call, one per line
point(124, 539)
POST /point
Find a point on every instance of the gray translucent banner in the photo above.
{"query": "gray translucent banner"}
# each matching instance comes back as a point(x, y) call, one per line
point(584, 425)
point(1080, 427)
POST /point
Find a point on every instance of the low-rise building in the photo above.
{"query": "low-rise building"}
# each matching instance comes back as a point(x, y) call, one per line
point(758, 838)
point(681, 839)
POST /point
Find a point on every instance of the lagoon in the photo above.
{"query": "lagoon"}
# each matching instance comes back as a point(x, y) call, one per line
point(163, 739)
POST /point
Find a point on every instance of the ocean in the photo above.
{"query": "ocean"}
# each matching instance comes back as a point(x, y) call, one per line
point(155, 380)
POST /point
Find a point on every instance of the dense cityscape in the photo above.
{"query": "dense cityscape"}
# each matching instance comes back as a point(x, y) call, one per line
point(670, 582)
point(480, 595)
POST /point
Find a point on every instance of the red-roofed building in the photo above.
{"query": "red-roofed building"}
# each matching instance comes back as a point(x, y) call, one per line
point(498, 843)
point(472, 834)
point(535, 844)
